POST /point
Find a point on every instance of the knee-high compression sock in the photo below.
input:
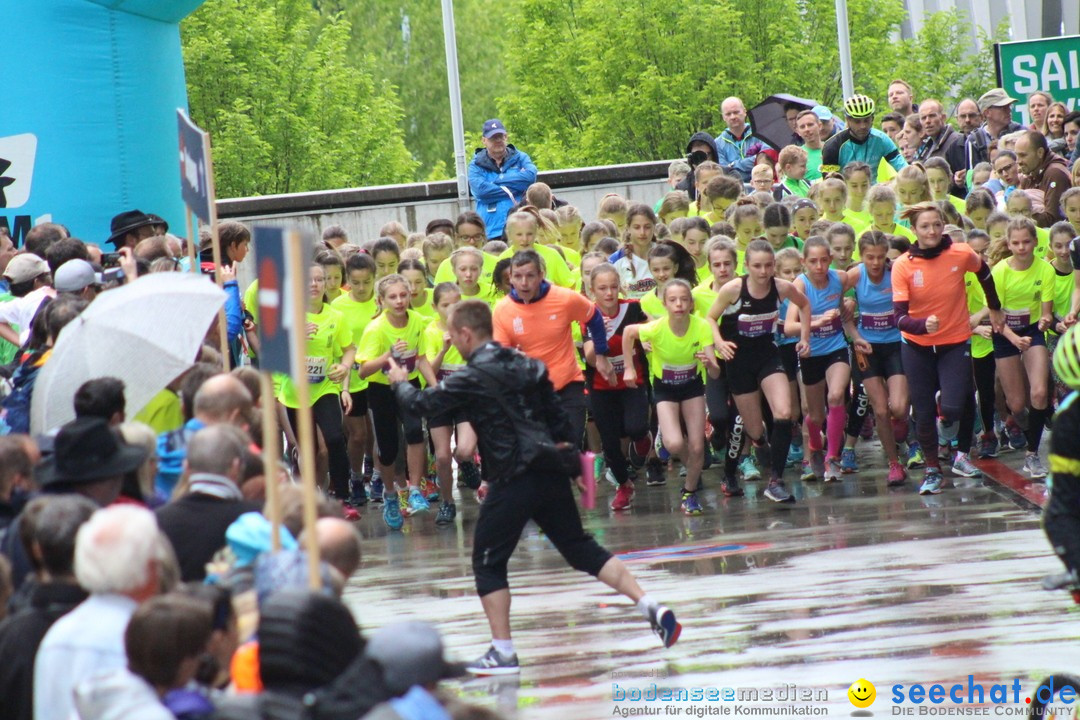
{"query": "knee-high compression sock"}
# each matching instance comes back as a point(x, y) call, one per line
point(835, 430)
point(779, 441)
point(813, 435)
point(900, 430)
point(1034, 432)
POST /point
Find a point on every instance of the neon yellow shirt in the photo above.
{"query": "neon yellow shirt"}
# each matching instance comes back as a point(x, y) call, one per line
point(445, 273)
point(434, 339)
point(672, 358)
point(1022, 292)
point(976, 301)
point(704, 297)
point(379, 336)
point(428, 308)
point(558, 272)
point(164, 412)
point(357, 315)
point(323, 350)
point(652, 305)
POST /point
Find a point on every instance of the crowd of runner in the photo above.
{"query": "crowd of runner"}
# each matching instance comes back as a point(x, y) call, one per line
point(883, 274)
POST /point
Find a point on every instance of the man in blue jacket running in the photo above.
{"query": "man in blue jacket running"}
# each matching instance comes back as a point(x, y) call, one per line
point(499, 175)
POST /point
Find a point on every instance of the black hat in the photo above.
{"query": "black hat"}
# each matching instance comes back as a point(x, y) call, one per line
point(306, 639)
point(126, 222)
point(87, 450)
point(158, 220)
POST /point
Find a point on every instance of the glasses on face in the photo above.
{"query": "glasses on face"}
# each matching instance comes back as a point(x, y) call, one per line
point(1005, 168)
point(472, 238)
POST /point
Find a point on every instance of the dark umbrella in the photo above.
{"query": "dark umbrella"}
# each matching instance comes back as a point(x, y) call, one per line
point(769, 122)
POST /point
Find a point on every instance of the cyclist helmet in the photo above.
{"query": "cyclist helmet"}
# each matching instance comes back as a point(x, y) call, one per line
point(1067, 358)
point(859, 106)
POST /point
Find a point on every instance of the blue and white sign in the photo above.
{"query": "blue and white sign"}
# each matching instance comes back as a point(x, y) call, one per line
point(194, 174)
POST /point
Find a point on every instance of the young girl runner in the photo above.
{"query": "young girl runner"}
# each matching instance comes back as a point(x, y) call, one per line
point(397, 331)
point(727, 426)
point(1061, 234)
point(334, 269)
point(1025, 286)
point(620, 411)
point(804, 213)
point(982, 349)
point(445, 360)
point(788, 267)
point(776, 220)
point(754, 366)
point(877, 338)
point(912, 187)
point(881, 202)
point(695, 236)
point(633, 264)
point(330, 353)
point(825, 371)
point(857, 177)
point(415, 273)
point(939, 177)
point(682, 348)
point(358, 307)
point(467, 264)
point(387, 254)
point(667, 260)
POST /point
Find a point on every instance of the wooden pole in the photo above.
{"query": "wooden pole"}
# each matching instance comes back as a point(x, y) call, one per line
point(305, 434)
point(216, 243)
point(271, 435)
point(192, 255)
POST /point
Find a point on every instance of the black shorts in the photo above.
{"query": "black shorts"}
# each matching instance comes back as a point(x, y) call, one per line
point(884, 362)
point(748, 369)
point(1004, 349)
point(450, 420)
point(663, 392)
point(789, 358)
point(813, 368)
point(359, 403)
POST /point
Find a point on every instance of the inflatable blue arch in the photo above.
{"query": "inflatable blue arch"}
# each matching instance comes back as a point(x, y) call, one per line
point(88, 122)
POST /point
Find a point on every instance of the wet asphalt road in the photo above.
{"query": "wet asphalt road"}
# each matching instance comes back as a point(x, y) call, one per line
point(855, 580)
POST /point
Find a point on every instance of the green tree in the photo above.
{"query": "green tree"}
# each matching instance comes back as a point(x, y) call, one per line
point(402, 42)
point(287, 109)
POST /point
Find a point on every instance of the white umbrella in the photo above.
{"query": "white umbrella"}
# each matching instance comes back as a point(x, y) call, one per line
point(145, 333)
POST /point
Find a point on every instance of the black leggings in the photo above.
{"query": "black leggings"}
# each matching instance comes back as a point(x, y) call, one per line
point(619, 414)
point(1061, 519)
point(931, 368)
point(509, 505)
point(385, 419)
point(327, 415)
point(574, 404)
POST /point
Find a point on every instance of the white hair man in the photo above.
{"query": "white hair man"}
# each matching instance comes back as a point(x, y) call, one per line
point(116, 561)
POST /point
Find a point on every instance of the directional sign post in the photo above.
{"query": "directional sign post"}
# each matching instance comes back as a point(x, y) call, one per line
point(282, 278)
point(197, 188)
point(1048, 64)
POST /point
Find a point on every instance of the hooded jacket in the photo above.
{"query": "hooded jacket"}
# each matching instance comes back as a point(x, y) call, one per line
point(1053, 179)
point(949, 145)
point(688, 183)
point(740, 154)
point(977, 143)
point(498, 189)
point(527, 405)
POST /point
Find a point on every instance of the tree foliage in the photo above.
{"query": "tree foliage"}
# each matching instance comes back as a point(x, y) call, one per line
point(309, 94)
point(286, 107)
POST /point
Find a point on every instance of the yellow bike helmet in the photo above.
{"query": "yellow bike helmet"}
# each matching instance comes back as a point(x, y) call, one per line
point(1067, 358)
point(859, 106)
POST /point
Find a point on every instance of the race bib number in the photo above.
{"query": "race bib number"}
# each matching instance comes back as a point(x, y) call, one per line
point(827, 330)
point(679, 374)
point(447, 370)
point(316, 369)
point(878, 321)
point(757, 325)
point(1017, 319)
point(407, 360)
point(618, 364)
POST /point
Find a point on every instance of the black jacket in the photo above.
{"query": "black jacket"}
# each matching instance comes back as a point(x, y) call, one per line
point(506, 396)
point(977, 144)
point(687, 183)
point(949, 145)
point(20, 636)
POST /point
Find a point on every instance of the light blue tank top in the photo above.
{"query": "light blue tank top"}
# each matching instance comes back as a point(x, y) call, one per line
point(781, 338)
point(828, 338)
point(877, 321)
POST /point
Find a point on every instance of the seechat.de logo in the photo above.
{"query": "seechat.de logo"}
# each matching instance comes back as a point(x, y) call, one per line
point(17, 154)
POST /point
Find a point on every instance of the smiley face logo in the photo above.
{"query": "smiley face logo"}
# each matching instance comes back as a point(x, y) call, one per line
point(862, 693)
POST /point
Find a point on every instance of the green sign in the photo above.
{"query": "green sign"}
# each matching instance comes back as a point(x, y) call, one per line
point(1048, 64)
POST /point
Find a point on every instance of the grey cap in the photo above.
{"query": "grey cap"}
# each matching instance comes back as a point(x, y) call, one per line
point(994, 98)
point(411, 653)
point(74, 276)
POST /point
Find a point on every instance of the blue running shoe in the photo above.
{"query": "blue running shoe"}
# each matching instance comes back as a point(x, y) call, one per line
point(931, 482)
point(848, 463)
point(690, 504)
point(665, 625)
point(915, 458)
point(795, 455)
point(748, 469)
point(417, 502)
point(377, 489)
point(391, 515)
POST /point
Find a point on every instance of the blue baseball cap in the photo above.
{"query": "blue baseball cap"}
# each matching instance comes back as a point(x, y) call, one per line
point(494, 127)
point(823, 113)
